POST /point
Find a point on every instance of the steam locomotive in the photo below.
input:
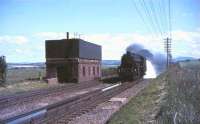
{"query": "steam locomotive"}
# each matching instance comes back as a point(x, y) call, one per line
point(133, 67)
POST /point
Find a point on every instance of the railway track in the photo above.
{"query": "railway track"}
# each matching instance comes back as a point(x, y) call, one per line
point(19, 98)
point(62, 112)
point(14, 99)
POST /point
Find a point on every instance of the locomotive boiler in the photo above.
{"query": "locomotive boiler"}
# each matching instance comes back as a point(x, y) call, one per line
point(133, 67)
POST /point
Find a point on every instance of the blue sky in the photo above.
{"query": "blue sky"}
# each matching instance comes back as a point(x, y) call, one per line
point(114, 24)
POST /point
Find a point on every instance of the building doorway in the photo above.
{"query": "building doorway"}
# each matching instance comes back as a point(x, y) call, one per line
point(63, 73)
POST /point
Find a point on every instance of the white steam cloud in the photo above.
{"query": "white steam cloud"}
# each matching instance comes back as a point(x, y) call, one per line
point(157, 59)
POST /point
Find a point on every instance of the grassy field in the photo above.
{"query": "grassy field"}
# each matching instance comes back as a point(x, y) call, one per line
point(19, 75)
point(182, 103)
point(172, 98)
point(23, 79)
point(22, 87)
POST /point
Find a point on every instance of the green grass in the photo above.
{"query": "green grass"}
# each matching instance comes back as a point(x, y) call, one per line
point(141, 108)
point(182, 99)
point(17, 79)
point(190, 64)
point(19, 75)
point(175, 92)
point(22, 87)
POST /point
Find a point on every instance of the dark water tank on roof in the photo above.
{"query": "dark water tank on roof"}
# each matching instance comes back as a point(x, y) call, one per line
point(72, 48)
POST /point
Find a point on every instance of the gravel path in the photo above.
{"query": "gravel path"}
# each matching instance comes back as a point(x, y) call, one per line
point(38, 103)
point(103, 111)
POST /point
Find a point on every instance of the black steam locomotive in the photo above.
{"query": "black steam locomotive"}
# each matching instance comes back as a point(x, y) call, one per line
point(132, 67)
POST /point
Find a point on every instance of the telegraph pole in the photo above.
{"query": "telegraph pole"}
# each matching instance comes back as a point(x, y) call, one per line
point(168, 51)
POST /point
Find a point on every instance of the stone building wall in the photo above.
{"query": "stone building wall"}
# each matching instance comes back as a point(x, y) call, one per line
point(89, 70)
point(73, 70)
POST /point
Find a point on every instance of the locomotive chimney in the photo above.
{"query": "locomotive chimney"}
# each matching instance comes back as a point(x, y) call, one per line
point(67, 34)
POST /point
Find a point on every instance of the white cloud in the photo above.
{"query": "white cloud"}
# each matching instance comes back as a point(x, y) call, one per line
point(19, 51)
point(190, 41)
point(185, 36)
point(50, 35)
point(114, 45)
point(13, 39)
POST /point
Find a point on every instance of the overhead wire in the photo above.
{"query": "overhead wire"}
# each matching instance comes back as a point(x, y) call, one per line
point(166, 15)
point(157, 19)
point(149, 28)
point(170, 24)
point(161, 7)
point(151, 18)
point(159, 14)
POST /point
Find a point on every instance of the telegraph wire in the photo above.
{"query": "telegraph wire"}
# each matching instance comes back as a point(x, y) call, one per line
point(150, 20)
point(161, 22)
point(170, 24)
point(158, 18)
point(162, 16)
point(149, 28)
point(165, 7)
point(154, 14)
point(148, 14)
point(143, 4)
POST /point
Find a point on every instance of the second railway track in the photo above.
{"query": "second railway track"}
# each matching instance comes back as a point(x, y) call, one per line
point(62, 112)
point(14, 99)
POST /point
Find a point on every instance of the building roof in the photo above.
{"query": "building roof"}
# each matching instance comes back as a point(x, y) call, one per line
point(72, 48)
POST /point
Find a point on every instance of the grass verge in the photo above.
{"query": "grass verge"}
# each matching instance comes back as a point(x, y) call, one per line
point(172, 98)
point(143, 107)
point(181, 104)
point(22, 87)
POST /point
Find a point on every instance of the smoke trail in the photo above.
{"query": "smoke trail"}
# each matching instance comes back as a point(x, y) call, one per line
point(157, 59)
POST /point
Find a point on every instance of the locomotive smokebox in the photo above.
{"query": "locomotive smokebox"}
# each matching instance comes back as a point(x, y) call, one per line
point(133, 67)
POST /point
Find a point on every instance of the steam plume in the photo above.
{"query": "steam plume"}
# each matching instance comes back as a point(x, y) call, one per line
point(157, 59)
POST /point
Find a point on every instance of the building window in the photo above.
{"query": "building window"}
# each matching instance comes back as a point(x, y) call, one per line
point(98, 70)
point(93, 70)
point(83, 71)
point(89, 71)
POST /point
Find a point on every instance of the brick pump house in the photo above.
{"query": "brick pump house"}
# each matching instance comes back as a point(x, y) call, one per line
point(72, 60)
